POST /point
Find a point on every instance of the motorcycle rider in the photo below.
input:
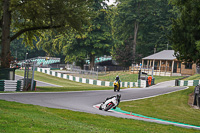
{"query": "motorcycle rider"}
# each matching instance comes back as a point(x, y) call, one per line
point(118, 80)
point(118, 96)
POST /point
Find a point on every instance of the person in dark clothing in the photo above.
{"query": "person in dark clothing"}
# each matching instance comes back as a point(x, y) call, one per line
point(117, 79)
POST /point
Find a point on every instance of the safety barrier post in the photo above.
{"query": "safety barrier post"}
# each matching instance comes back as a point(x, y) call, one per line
point(19, 82)
point(2, 85)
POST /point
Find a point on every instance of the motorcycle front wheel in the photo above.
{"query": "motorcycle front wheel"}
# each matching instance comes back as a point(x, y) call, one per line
point(115, 87)
point(108, 107)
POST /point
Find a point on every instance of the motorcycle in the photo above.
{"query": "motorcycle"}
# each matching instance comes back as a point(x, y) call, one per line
point(108, 104)
point(116, 85)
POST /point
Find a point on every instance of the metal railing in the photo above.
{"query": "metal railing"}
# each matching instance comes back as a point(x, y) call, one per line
point(84, 73)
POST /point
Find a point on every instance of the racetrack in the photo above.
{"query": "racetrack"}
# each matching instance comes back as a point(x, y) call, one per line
point(84, 101)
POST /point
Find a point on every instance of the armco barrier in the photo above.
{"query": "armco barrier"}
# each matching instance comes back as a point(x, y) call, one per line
point(10, 85)
point(140, 83)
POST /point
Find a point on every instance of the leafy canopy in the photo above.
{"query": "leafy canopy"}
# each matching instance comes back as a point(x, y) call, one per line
point(96, 39)
point(185, 35)
point(30, 17)
point(153, 18)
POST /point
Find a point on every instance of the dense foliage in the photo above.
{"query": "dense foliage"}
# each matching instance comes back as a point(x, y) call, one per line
point(186, 30)
point(96, 39)
point(123, 54)
point(28, 18)
point(76, 30)
point(144, 24)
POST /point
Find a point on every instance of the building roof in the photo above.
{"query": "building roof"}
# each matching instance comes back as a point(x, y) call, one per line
point(163, 55)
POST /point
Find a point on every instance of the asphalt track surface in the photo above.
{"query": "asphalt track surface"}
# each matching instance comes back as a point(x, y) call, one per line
point(84, 101)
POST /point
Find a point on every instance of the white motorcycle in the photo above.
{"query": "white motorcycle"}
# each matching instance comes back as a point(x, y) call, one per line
point(110, 103)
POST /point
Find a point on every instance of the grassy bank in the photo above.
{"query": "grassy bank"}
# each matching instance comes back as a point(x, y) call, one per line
point(17, 117)
point(159, 79)
point(124, 76)
point(67, 84)
point(172, 107)
point(129, 77)
point(193, 77)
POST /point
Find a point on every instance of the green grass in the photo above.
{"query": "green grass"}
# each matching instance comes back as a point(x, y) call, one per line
point(193, 77)
point(128, 77)
point(159, 79)
point(67, 84)
point(17, 117)
point(172, 107)
point(124, 76)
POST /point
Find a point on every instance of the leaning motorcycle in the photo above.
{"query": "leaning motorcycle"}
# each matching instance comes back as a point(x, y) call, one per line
point(110, 103)
point(116, 85)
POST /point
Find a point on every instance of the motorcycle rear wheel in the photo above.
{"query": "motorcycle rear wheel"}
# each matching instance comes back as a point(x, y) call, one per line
point(118, 89)
point(100, 108)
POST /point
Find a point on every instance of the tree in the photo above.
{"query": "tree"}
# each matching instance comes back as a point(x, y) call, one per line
point(95, 41)
point(30, 17)
point(18, 50)
point(132, 14)
point(143, 23)
point(185, 35)
point(123, 54)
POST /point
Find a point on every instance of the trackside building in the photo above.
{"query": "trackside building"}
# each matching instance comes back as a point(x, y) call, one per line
point(166, 64)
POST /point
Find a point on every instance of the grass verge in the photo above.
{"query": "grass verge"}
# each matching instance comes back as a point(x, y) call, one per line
point(67, 84)
point(129, 77)
point(75, 86)
point(17, 117)
point(124, 76)
point(159, 79)
point(171, 107)
point(193, 77)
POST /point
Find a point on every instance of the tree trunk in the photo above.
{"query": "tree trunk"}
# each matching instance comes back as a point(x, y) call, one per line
point(135, 40)
point(92, 59)
point(5, 44)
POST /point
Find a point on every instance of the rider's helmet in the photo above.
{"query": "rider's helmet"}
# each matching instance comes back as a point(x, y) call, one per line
point(117, 77)
point(118, 96)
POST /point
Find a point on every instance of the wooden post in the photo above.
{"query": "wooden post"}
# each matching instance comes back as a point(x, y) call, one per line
point(153, 64)
point(172, 67)
point(150, 65)
point(159, 67)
